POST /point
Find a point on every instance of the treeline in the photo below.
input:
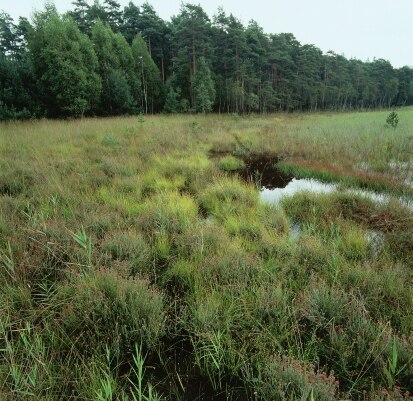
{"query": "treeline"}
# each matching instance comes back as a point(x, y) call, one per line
point(99, 59)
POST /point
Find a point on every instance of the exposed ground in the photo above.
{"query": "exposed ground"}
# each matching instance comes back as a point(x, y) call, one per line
point(139, 262)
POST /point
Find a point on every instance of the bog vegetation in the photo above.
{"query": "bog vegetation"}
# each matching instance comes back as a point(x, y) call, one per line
point(102, 60)
point(138, 264)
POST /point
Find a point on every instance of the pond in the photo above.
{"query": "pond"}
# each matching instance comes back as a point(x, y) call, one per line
point(274, 185)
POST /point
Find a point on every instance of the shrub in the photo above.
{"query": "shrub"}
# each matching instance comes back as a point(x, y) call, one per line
point(341, 336)
point(384, 291)
point(392, 119)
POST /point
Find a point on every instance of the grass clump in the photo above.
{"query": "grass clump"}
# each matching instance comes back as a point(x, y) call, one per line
point(168, 212)
point(226, 196)
point(16, 181)
point(230, 163)
point(130, 247)
point(273, 218)
point(105, 308)
point(282, 378)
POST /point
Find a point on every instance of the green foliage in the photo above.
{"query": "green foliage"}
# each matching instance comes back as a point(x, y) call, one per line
point(219, 65)
point(139, 391)
point(392, 120)
point(203, 87)
point(148, 76)
point(85, 242)
point(131, 22)
point(17, 100)
point(117, 94)
point(172, 104)
point(66, 66)
point(29, 371)
point(116, 67)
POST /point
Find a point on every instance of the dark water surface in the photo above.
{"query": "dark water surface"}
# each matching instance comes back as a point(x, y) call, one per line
point(262, 171)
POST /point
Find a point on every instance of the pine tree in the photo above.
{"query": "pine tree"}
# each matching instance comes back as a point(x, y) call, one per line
point(80, 15)
point(8, 35)
point(191, 37)
point(113, 14)
point(131, 18)
point(172, 102)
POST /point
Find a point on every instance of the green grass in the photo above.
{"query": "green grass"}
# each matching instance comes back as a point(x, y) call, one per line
point(230, 163)
point(137, 265)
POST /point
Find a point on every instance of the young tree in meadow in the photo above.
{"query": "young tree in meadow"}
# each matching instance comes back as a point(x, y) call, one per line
point(147, 74)
point(65, 65)
point(203, 87)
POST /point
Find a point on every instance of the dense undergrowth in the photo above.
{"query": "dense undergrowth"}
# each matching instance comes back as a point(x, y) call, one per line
point(136, 266)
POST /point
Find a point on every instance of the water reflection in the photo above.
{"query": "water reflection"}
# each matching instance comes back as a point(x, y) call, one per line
point(274, 195)
point(295, 185)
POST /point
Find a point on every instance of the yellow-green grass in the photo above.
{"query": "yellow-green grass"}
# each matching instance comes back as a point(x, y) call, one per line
point(137, 265)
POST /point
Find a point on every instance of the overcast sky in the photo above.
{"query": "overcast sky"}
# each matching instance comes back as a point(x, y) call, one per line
point(363, 29)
